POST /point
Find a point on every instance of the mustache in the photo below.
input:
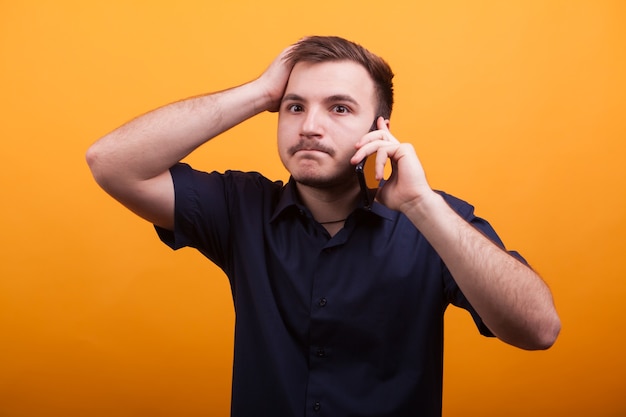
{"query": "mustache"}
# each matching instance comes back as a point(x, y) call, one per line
point(308, 145)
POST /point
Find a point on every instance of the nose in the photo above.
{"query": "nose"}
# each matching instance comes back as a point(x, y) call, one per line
point(311, 125)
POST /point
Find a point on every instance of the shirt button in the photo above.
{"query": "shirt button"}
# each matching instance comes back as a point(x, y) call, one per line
point(321, 353)
point(317, 406)
point(322, 302)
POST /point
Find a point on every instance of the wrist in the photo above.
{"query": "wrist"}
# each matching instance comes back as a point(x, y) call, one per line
point(425, 208)
point(269, 97)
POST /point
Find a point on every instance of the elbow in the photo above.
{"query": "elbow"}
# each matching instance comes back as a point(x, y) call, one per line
point(550, 333)
point(91, 157)
point(538, 336)
point(546, 336)
point(96, 163)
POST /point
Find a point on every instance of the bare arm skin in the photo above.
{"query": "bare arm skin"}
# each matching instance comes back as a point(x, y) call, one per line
point(132, 162)
point(513, 301)
point(510, 297)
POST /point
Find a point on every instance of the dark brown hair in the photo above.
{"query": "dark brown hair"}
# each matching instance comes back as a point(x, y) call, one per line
point(334, 48)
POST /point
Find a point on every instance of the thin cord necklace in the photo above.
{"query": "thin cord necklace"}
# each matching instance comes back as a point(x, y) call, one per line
point(334, 221)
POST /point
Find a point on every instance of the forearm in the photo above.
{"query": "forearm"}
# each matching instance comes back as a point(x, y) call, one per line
point(152, 143)
point(510, 297)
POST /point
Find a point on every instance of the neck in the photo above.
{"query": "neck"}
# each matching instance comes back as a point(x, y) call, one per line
point(329, 206)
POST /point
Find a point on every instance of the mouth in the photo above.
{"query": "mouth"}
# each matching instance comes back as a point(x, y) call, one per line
point(309, 150)
point(310, 147)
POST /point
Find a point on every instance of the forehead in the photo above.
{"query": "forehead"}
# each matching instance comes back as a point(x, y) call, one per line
point(313, 80)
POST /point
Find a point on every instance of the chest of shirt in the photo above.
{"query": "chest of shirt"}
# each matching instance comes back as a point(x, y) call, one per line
point(368, 279)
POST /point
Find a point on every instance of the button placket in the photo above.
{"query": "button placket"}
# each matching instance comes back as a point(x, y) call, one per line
point(320, 347)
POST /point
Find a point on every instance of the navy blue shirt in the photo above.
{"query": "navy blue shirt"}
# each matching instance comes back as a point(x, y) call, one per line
point(349, 325)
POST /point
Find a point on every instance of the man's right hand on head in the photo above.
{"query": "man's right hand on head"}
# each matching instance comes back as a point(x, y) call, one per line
point(274, 80)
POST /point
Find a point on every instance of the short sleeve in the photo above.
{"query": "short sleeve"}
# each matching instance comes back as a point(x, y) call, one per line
point(201, 217)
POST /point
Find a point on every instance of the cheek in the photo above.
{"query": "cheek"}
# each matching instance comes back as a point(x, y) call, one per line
point(348, 147)
point(282, 142)
point(284, 130)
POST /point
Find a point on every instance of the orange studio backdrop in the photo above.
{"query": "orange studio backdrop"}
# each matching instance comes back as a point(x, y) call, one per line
point(517, 107)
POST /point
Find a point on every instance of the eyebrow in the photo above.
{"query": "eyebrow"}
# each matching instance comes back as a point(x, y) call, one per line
point(292, 97)
point(330, 99)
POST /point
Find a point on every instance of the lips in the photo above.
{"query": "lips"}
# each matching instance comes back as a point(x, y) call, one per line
point(308, 146)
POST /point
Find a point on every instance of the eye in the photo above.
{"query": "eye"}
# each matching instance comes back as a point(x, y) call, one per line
point(341, 109)
point(295, 108)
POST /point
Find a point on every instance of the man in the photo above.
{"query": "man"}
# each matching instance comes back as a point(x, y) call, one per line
point(339, 307)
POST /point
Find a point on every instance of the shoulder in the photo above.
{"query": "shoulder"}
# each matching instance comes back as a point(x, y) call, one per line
point(232, 179)
point(250, 179)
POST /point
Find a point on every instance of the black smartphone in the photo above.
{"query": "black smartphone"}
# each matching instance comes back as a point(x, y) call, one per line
point(367, 181)
point(366, 173)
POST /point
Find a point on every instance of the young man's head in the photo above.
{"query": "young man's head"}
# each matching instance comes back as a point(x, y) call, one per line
point(335, 91)
point(333, 48)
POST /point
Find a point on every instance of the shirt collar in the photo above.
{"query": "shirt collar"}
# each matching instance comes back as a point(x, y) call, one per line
point(289, 201)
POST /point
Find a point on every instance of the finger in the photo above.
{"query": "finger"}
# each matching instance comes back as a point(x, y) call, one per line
point(383, 156)
point(368, 138)
point(371, 143)
point(383, 128)
point(382, 123)
point(361, 153)
point(381, 161)
point(386, 136)
point(364, 149)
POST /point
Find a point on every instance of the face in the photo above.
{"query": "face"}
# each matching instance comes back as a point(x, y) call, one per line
point(327, 107)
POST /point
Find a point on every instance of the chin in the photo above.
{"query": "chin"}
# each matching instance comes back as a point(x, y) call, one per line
point(317, 180)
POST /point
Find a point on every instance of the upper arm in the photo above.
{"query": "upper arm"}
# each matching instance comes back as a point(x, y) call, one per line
point(151, 199)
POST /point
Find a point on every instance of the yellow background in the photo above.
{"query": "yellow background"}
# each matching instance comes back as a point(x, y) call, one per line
point(516, 106)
